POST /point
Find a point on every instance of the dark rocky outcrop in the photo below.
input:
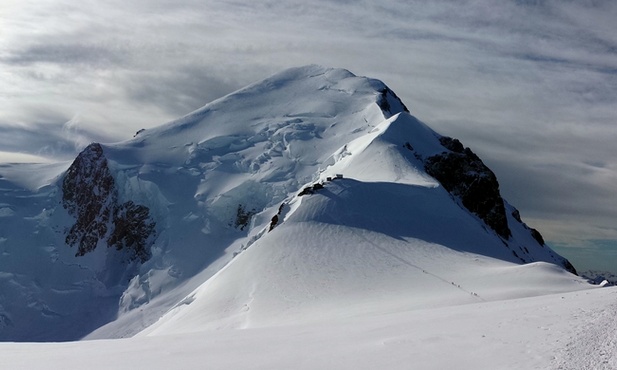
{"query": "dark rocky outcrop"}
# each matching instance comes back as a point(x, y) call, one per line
point(569, 267)
point(273, 222)
point(243, 217)
point(386, 98)
point(461, 172)
point(276, 218)
point(132, 229)
point(537, 236)
point(311, 189)
point(89, 194)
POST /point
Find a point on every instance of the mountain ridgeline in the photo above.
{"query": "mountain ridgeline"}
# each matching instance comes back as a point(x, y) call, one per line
point(89, 195)
point(464, 175)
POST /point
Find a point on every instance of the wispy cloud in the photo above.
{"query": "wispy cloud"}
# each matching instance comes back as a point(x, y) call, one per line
point(530, 85)
point(51, 138)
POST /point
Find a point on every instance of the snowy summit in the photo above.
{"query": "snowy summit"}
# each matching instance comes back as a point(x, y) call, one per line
point(311, 206)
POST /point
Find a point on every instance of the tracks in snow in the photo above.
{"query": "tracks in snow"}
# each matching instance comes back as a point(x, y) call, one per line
point(413, 265)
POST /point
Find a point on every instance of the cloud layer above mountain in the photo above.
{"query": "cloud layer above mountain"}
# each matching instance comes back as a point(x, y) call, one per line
point(531, 86)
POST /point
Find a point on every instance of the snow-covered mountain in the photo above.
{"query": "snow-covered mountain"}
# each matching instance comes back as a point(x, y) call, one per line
point(313, 195)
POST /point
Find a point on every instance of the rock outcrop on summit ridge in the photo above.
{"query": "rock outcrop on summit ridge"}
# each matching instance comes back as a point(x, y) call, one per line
point(463, 174)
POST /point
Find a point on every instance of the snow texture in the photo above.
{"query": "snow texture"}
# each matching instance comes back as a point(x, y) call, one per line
point(530, 333)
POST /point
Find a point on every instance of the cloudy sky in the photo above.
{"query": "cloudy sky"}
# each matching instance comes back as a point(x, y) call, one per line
point(530, 85)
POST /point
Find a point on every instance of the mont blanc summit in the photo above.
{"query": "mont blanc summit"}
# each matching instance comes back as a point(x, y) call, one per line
point(313, 196)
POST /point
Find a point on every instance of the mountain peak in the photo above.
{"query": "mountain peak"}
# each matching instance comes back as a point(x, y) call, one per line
point(310, 91)
point(154, 217)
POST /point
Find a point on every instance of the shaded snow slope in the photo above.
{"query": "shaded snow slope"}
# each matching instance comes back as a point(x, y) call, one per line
point(211, 182)
point(44, 293)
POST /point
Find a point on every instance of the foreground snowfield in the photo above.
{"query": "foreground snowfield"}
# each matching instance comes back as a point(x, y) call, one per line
point(574, 330)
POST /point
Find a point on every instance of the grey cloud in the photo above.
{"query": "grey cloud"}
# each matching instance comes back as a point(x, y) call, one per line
point(179, 91)
point(550, 175)
point(53, 136)
point(531, 86)
point(69, 54)
point(544, 191)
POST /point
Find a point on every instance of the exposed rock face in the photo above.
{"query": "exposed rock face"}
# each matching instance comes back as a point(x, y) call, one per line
point(569, 267)
point(243, 217)
point(465, 176)
point(90, 195)
point(132, 229)
point(386, 98)
point(276, 218)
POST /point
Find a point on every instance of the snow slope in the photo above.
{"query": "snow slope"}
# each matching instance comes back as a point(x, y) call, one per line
point(570, 331)
point(386, 238)
point(347, 250)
